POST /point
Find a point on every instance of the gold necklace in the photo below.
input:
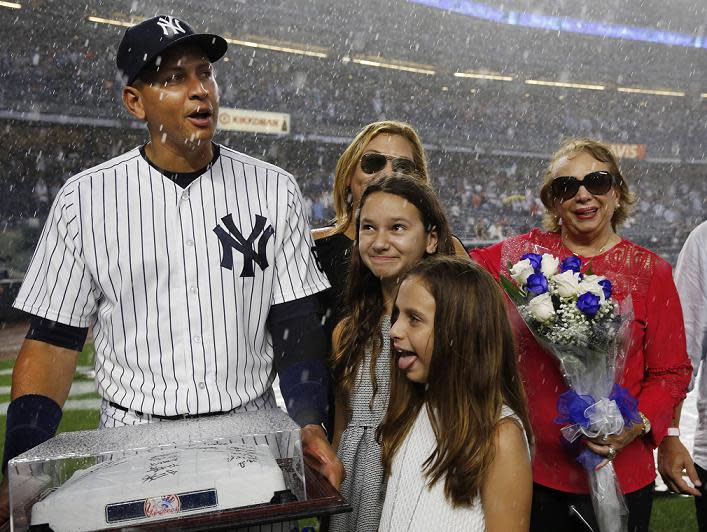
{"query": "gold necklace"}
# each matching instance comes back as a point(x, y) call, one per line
point(599, 252)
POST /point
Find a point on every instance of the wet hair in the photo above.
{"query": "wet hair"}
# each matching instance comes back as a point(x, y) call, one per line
point(349, 160)
point(601, 152)
point(360, 329)
point(473, 372)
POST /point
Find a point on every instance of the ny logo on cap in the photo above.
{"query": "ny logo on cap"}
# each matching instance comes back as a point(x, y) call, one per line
point(170, 23)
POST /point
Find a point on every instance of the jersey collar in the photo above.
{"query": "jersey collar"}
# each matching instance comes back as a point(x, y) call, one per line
point(183, 179)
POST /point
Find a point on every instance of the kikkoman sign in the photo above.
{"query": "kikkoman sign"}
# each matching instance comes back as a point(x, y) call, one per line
point(253, 121)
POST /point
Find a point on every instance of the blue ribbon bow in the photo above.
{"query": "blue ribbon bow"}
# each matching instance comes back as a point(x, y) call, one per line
point(571, 408)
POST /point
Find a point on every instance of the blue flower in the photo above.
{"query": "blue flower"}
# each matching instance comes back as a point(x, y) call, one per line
point(535, 260)
point(606, 287)
point(588, 303)
point(571, 263)
point(536, 284)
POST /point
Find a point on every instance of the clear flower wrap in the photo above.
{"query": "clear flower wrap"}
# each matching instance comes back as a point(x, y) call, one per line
point(573, 316)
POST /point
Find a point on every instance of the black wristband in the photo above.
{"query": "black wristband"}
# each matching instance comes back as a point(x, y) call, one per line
point(304, 388)
point(31, 420)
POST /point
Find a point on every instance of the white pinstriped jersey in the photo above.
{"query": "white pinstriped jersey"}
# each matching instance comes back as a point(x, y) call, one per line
point(177, 283)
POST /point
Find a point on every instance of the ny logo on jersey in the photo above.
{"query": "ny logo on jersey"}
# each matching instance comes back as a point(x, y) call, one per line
point(237, 241)
point(170, 23)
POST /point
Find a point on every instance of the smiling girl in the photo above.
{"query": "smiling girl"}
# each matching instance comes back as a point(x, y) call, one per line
point(400, 222)
point(454, 439)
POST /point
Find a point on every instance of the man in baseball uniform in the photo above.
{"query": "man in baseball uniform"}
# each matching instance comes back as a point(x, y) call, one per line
point(192, 262)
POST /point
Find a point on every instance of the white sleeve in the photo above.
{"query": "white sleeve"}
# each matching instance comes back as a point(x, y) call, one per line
point(298, 271)
point(58, 286)
point(691, 282)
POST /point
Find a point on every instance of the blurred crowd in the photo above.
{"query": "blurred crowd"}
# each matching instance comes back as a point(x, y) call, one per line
point(467, 125)
point(334, 96)
point(487, 197)
point(464, 123)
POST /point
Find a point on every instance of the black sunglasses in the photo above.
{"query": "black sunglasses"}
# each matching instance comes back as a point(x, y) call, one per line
point(375, 162)
point(597, 183)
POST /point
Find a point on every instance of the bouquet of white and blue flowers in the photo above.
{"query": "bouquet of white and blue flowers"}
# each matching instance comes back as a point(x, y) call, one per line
point(574, 317)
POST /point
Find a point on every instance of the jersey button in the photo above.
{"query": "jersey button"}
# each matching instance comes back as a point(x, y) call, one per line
point(190, 242)
point(202, 385)
point(193, 289)
point(185, 195)
point(197, 339)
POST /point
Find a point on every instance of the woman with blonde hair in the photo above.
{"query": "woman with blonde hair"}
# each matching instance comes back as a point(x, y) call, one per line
point(380, 147)
point(586, 199)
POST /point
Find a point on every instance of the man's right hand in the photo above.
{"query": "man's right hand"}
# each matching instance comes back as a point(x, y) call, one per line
point(318, 452)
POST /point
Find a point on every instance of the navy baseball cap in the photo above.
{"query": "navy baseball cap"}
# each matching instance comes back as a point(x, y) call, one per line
point(145, 41)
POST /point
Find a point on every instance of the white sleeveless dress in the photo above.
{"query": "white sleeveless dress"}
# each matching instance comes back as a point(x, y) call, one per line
point(409, 503)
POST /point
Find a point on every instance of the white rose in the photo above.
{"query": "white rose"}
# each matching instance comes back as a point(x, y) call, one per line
point(541, 307)
point(567, 283)
point(521, 270)
point(549, 265)
point(590, 283)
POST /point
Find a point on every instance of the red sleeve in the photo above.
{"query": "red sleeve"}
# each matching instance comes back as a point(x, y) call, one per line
point(488, 258)
point(667, 366)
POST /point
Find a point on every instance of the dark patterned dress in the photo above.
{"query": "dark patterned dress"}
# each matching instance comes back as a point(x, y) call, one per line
point(364, 486)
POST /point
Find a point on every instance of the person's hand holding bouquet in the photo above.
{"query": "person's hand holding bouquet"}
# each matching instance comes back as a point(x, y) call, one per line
point(603, 445)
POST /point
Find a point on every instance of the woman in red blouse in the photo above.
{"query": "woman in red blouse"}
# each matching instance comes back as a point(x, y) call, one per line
point(586, 200)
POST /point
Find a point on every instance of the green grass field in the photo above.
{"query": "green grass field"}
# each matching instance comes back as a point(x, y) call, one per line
point(671, 513)
point(71, 419)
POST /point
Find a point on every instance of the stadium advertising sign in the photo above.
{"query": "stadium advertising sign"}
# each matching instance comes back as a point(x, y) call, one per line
point(253, 121)
point(629, 151)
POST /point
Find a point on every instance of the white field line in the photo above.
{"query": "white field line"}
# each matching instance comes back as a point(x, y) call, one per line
point(77, 388)
point(81, 370)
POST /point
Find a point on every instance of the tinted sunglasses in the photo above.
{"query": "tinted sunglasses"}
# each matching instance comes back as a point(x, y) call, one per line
point(596, 183)
point(375, 162)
